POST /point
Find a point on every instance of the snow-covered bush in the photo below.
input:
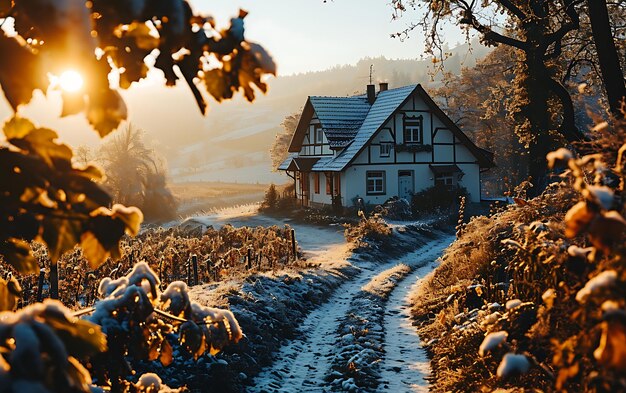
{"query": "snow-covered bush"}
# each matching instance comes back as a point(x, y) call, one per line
point(143, 323)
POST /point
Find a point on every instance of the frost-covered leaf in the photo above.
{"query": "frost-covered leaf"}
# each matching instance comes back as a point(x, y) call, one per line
point(598, 284)
point(492, 341)
point(192, 338)
point(559, 157)
point(513, 364)
point(602, 195)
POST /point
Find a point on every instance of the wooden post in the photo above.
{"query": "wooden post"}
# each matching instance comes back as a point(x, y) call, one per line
point(42, 276)
point(260, 259)
point(78, 288)
point(208, 268)
point(293, 244)
point(161, 270)
point(54, 281)
point(249, 258)
point(194, 262)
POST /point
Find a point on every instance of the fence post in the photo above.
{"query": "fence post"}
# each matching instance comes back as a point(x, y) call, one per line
point(53, 280)
point(42, 276)
point(194, 262)
point(249, 258)
point(188, 272)
point(260, 259)
point(78, 288)
point(293, 244)
point(208, 268)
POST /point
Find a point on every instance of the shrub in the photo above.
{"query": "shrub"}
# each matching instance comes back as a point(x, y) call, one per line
point(271, 198)
point(372, 228)
point(435, 199)
point(546, 277)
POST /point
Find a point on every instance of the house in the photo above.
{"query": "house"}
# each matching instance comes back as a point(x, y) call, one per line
point(393, 142)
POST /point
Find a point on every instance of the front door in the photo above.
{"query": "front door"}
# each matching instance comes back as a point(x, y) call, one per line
point(405, 184)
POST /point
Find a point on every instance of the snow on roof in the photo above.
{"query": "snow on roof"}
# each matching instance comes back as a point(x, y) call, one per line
point(386, 103)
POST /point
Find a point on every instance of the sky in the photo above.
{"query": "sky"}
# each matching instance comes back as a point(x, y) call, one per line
point(313, 35)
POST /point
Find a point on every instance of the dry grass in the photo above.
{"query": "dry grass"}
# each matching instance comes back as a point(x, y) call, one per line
point(198, 197)
point(444, 294)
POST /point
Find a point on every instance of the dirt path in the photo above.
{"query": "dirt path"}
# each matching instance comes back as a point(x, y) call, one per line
point(302, 364)
point(406, 363)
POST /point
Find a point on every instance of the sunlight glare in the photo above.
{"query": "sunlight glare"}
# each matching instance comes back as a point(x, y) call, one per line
point(71, 81)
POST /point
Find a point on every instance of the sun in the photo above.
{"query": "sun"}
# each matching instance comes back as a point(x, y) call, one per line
point(70, 81)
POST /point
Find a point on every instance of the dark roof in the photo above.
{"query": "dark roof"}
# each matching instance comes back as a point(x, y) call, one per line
point(350, 122)
point(442, 169)
point(300, 164)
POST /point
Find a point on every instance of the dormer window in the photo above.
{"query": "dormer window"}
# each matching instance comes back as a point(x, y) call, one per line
point(319, 135)
point(413, 130)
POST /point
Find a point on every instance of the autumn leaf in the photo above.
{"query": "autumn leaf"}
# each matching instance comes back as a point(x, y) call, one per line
point(612, 352)
point(105, 111)
point(60, 235)
point(10, 292)
point(40, 141)
point(578, 219)
point(20, 72)
point(607, 230)
point(166, 355)
point(18, 254)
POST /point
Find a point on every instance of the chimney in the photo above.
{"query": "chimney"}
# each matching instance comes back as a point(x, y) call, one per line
point(383, 86)
point(371, 94)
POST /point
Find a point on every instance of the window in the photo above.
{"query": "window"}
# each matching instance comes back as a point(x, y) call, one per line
point(375, 183)
point(319, 135)
point(413, 130)
point(445, 179)
point(385, 149)
point(316, 182)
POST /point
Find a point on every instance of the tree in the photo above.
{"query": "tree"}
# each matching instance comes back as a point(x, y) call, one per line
point(43, 196)
point(271, 198)
point(135, 175)
point(608, 57)
point(477, 100)
point(535, 28)
point(280, 148)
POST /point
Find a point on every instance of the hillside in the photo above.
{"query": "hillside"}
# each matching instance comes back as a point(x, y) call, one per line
point(236, 129)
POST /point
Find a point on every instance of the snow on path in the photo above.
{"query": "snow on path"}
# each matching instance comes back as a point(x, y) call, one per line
point(406, 363)
point(302, 363)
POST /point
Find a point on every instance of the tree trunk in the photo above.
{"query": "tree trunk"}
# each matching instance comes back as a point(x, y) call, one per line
point(538, 113)
point(608, 58)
